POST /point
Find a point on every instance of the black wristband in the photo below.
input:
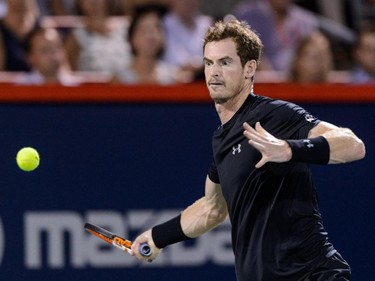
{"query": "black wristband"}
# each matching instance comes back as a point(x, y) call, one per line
point(168, 233)
point(315, 150)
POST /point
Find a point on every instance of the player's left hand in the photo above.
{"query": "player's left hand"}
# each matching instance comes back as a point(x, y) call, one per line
point(271, 148)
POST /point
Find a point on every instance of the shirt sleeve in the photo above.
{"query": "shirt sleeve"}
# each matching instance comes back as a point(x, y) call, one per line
point(213, 174)
point(289, 121)
point(304, 122)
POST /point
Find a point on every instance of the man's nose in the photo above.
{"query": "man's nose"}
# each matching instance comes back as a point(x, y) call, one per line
point(215, 70)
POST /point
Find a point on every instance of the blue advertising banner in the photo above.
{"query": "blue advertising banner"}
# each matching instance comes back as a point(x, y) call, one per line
point(128, 167)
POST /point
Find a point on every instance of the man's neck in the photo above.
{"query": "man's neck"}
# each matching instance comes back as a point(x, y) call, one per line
point(228, 109)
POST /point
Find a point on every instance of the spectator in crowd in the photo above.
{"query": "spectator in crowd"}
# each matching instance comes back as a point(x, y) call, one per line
point(129, 5)
point(118, 7)
point(46, 55)
point(313, 61)
point(280, 24)
point(69, 7)
point(100, 44)
point(364, 55)
point(218, 9)
point(185, 28)
point(147, 40)
point(3, 8)
point(57, 7)
point(365, 11)
point(20, 19)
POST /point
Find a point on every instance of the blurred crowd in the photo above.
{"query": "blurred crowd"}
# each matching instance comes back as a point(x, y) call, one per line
point(70, 42)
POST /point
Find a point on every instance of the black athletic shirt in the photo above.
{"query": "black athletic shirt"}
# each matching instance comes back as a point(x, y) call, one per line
point(277, 231)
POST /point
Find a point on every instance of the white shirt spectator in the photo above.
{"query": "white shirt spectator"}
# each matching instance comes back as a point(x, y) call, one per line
point(165, 74)
point(184, 45)
point(36, 78)
point(280, 38)
point(108, 54)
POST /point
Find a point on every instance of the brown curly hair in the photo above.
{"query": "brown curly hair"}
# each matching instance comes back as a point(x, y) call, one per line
point(249, 45)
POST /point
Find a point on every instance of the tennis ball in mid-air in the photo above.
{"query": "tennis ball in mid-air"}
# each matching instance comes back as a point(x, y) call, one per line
point(27, 159)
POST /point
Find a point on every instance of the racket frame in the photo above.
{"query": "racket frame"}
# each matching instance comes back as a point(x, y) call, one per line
point(116, 240)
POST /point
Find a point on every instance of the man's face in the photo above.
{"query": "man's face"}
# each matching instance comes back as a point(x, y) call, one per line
point(225, 76)
point(47, 53)
point(148, 38)
point(20, 6)
point(365, 52)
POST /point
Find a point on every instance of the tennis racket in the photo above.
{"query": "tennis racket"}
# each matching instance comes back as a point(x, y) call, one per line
point(117, 241)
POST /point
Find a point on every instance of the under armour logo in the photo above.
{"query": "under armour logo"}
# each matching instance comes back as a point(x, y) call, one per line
point(309, 117)
point(308, 144)
point(236, 149)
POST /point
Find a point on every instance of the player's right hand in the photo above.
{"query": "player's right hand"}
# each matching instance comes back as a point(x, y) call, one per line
point(145, 237)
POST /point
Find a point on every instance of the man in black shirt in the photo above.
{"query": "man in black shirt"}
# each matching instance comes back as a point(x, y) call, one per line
point(260, 174)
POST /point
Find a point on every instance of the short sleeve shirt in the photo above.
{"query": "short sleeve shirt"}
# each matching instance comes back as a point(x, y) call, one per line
point(277, 231)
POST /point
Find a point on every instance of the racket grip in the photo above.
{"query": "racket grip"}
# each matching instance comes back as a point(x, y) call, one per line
point(145, 250)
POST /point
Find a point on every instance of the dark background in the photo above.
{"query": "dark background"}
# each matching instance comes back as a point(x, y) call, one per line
point(128, 157)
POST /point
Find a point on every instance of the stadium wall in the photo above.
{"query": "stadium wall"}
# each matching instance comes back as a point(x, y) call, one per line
point(129, 157)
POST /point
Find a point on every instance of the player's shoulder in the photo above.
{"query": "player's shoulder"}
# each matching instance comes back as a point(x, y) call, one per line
point(271, 103)
point(272, 108)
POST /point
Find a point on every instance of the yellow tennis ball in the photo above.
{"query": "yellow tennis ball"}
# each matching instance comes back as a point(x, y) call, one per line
point(27, 159)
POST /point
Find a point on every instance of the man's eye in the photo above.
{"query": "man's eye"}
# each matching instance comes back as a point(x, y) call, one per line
point(225, 62)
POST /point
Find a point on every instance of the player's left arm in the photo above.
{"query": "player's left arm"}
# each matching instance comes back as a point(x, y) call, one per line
point(344, 145)
point(326, 144)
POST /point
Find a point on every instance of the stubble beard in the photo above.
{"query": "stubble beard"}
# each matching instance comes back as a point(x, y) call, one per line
point(219, 98)
point(222, 99)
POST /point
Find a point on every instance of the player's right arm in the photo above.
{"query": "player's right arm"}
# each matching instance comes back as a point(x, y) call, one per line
point(200, 217)
point(205, 213)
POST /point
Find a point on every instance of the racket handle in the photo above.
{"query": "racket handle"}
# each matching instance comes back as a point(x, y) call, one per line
point(145, 250)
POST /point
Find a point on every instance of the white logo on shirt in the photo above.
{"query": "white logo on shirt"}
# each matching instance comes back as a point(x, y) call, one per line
point(309, 118)
point(236, 149)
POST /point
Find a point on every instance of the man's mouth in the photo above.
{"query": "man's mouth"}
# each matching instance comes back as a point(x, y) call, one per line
point(216, 83)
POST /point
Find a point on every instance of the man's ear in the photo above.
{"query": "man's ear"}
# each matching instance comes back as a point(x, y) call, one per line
point(250, 68)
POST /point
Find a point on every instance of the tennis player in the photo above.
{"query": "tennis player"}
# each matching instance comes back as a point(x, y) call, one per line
point(260, 172)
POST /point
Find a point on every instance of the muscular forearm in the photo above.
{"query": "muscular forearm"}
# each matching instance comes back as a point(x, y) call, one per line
point(197, 219)
point(202, 217)
point(344, 145)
